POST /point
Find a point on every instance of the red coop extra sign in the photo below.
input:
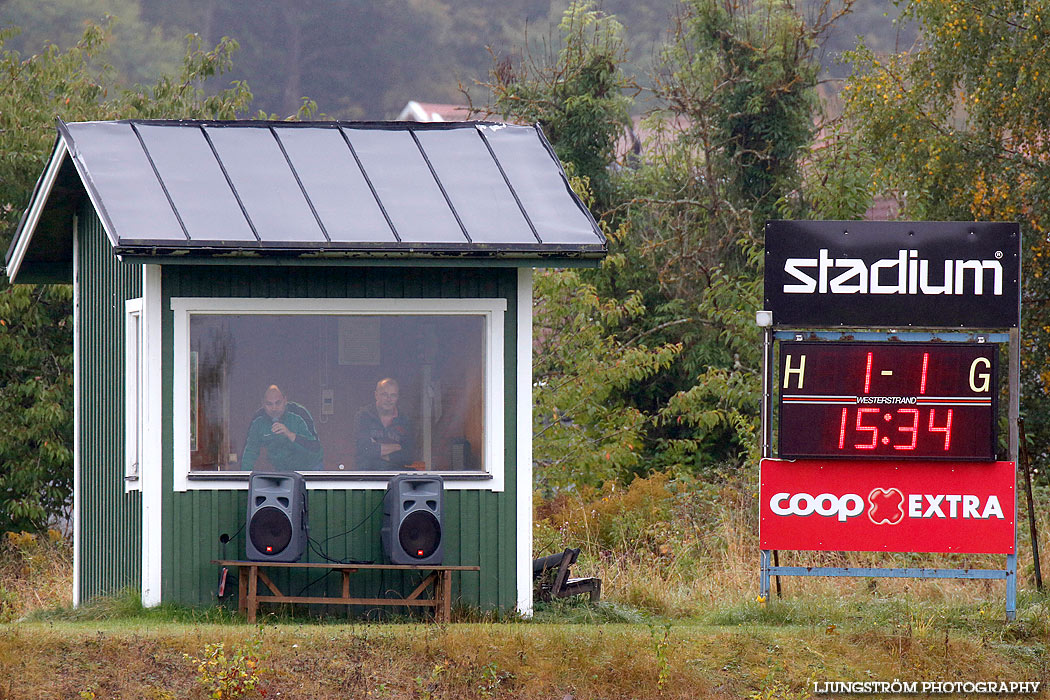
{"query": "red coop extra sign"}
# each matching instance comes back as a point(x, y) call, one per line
point(887, 506)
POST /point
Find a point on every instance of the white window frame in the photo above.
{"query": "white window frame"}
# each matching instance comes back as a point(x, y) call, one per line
point(492, 310)
point(134, 402)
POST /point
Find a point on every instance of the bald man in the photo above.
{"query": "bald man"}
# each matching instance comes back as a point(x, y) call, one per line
point(289, 442)
point(384, 437)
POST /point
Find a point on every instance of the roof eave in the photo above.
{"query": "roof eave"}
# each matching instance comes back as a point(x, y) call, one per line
point(164, 252)
point(23, 237)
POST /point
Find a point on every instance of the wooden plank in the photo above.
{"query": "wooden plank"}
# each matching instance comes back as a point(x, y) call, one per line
point(508, 500)
point(269, 584)
point(348, 567)
point(242, 589)
point(394, 602)
point(422, 586)
point(445, 608)
point(470, 533)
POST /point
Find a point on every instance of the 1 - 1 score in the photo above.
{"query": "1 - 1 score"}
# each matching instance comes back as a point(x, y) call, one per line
point(888, 400)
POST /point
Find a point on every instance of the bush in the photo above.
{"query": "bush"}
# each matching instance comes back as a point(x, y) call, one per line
point(662, 544)
point(35, 572)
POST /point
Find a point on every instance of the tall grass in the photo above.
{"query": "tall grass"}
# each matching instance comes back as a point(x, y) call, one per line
point(675, 548)
point(36, 572)
point(678, 547)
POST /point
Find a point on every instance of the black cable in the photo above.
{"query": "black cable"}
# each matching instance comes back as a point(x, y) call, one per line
point(224, 539)
point(303, 589)
point(363, 521)
point(238, 531)
point(315, 546)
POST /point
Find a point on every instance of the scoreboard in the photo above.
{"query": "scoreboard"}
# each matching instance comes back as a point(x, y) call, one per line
point(887, 400)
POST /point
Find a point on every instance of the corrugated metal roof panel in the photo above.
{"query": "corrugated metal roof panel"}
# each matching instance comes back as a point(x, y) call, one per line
point(121, 182)
point(360, 189)
point(539, 182)
point(265, 185)
point(195, 183)
point(334, 183)
point(475, 186)
point(408, 192)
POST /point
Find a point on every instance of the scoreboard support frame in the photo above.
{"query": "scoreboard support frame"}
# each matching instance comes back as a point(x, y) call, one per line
point(1011, 339)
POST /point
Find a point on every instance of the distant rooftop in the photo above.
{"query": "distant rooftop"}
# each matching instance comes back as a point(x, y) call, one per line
point(435, 112)
point(366, 189)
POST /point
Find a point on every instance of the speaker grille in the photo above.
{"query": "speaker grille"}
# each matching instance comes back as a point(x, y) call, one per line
point(419, 534)
point(270, 530)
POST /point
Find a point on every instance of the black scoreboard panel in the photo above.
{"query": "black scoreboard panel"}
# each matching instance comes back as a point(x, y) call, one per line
point(888, 400)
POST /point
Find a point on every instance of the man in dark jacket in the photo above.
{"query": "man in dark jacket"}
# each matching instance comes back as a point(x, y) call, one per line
point(384, 437)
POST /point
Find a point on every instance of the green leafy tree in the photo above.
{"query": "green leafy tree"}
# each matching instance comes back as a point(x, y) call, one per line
point(36, 356)
point(957, 128)
point(586, 434)
point(579, 94)
point(735, 103)
point(137, 50)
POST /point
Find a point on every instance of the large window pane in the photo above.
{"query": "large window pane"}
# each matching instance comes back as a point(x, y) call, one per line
point(329, 373)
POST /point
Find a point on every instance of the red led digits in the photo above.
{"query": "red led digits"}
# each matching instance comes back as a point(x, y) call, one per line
point(914, 429)
point(842, 429)
point(947, 429)
point(888, 400)
point(865, 428)
point(867, 375)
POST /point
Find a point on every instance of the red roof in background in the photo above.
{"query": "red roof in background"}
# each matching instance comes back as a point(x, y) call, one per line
point(883, 209)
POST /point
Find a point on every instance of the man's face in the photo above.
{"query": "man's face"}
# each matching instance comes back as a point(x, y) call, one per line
point(386, 397)
point(274, 404)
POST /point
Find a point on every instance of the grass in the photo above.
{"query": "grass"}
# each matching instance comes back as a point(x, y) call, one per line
point(679, 618)
point(678, 548)
point(744, 650)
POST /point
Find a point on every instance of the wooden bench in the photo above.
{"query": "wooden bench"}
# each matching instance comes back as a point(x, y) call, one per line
point(552, 573)
point(250, 573)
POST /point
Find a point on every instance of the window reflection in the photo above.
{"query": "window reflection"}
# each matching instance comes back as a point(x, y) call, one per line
point(337, 392)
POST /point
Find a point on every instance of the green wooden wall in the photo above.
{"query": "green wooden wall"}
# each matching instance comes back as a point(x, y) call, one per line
point(110, 519)
point(479, 525)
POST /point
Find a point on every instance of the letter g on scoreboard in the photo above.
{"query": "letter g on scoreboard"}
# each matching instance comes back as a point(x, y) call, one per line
point(939, 274)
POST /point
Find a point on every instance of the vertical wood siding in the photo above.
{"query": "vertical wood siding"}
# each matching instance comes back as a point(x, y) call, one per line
point(110, 519)
point(479, 525)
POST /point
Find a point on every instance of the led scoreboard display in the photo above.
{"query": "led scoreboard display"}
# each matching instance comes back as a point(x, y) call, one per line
point(888, 400)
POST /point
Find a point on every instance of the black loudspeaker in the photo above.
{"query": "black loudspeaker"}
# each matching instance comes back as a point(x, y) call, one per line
point(413, 520)
point(278, 526)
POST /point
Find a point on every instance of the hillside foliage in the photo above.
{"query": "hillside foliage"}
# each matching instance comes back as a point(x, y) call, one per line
point(366, 60)
point(36, 375)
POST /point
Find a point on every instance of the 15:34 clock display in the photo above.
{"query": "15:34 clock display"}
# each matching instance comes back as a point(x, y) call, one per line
point(887, 400)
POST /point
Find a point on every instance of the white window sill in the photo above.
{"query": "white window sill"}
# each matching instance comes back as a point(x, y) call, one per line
point(341, 480)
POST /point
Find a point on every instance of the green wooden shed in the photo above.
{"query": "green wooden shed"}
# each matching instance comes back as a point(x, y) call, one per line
point(213, 260)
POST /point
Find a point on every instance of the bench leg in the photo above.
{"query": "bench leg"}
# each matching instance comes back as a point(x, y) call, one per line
point(242, 590)
point(448, 595)
point(443, 596)
point(253, 593)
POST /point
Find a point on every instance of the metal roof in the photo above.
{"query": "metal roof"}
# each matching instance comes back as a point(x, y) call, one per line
point(172, 189)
